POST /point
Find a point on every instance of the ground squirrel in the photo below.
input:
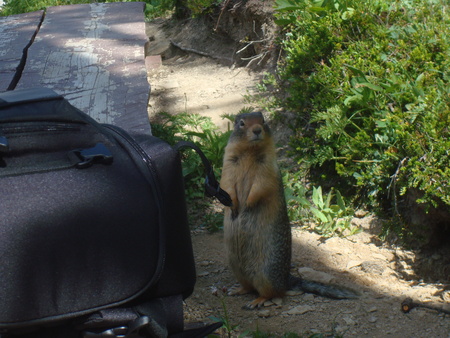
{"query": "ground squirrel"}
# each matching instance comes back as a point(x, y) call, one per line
point(257, 232)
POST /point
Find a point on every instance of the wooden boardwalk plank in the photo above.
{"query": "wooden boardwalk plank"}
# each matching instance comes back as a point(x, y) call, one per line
point(16, 32)
point(93, 54)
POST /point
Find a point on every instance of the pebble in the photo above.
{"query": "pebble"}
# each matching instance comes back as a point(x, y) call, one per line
point(205, 263)
point(294, 293)
point(340, 329)
point(373, 319)
point(349, 320)
point(309, 297)
point(299, 310)
point(436, 257)
point(263, 313)
point(274, 301)
point(361, 213)
point(372, 309)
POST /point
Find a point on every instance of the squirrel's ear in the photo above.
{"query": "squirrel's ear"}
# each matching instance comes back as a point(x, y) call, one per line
point(260, 115)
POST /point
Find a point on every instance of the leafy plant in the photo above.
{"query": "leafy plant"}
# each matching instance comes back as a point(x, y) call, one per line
point(225, 318)
point(369, 82)
point(329, 214)
point(199, 7)
point(331, 218)
point(212, 221)
point(11, 7)
point(298, 204)
point(200, 130)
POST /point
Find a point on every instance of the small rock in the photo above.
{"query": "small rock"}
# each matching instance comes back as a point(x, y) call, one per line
point(349, 320)
point(340, 329)
point(170, 84)
point(300, 310)
point(278, 301)
point(446, 297)
point(309, 297)
point(372, 319)
point(294, 293)
point(263, 313)
point(361, 213)
point(203, 274)
point(214, 291)
point(436, 257)
point(268, 303)
point(204, 263)
point(372, 309)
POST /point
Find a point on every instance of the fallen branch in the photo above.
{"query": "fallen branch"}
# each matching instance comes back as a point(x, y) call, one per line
point(254, 58)
point(195, 51)
point(408, 304)
point(249, 44)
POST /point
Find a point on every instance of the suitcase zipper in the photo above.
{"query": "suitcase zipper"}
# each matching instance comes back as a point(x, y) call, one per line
point(64, 159)
point(150, 172)
point(151, 176)
point(79, 158)
point(32, 128)
point(10, 130)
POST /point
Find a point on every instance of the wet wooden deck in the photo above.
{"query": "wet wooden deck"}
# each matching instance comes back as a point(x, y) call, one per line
point(93, 54)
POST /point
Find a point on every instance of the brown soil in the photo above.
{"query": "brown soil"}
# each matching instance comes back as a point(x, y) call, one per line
point(384, 275)
point(189, 82)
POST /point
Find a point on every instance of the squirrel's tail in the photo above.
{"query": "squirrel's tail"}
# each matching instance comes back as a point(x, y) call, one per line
point(326, 290)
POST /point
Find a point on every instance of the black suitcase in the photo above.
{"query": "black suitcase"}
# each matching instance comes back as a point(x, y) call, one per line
point(93, 228)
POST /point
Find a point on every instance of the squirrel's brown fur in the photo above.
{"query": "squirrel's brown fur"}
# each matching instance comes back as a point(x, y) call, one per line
point(257, 232)
point(256, 226)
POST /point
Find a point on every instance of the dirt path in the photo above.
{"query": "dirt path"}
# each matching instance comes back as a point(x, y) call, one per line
point(377, 272)
point(382, 275)
point(195, 84)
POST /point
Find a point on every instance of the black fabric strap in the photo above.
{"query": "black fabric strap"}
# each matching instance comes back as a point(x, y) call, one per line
point(212, 187)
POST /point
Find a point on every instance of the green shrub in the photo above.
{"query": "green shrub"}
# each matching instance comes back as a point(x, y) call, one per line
point(329, 214)
point(369, 82)
point(11, 7)
point(203, 132)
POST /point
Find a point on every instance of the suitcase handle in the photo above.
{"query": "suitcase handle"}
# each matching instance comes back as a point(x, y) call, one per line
point(212, 187)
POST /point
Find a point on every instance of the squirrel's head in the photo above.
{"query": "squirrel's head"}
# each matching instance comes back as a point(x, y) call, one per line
point(252, 127)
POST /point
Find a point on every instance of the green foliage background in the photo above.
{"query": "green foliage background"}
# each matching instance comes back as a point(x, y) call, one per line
point(153, 8)
point(369, 81)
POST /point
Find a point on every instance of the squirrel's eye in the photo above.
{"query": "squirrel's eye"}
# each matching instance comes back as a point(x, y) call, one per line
point(241, 123)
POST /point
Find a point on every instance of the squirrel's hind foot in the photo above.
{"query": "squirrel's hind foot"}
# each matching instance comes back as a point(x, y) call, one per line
point(258, 302)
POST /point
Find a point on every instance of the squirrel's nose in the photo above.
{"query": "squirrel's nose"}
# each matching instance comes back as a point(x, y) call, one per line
point(257, 131)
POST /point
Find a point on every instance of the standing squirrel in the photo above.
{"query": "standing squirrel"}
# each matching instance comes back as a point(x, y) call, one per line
point(257, 232)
